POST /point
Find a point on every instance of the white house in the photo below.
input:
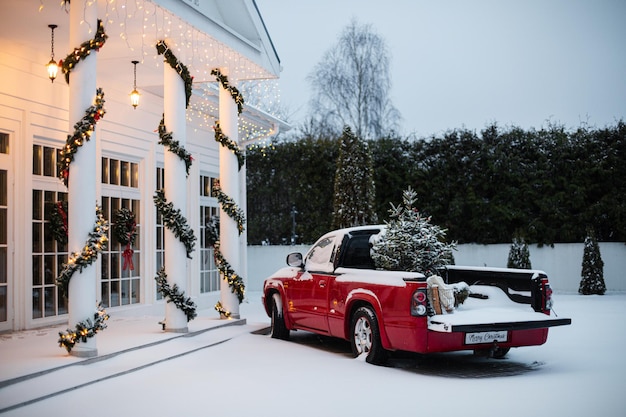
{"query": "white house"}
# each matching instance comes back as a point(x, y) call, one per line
point(46, 128)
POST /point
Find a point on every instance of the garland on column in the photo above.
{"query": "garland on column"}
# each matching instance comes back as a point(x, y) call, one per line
point(82, 133)
point(179, 67)
point(83, 51)
point(230, 144)
point(166, 139)
point(227, 203)
point(84, 330)
point(96, 243)
point(125, 231)
point(234, 92)
point(173, 295)
point(230, 208)
point(175, 221)
point(235, 282)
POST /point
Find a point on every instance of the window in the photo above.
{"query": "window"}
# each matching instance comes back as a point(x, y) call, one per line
point(121, 264)
point(4, 191)
point(160, 229)
point(45, 160)
point(209, 274)
point(49, 255)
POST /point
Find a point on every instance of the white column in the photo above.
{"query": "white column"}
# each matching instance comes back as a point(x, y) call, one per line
point(229, 181)
point(175, 192)
point(82, 179)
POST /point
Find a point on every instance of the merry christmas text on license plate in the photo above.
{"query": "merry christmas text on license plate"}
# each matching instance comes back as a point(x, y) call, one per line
point(485, 337)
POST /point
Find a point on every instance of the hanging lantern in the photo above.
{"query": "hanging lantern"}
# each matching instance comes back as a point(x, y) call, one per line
point(134, 95)
point(52, 66)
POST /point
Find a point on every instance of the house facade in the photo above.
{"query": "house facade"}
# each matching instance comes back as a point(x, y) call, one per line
point(67, 146)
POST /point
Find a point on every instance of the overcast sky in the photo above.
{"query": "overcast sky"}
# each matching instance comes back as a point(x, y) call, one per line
point(461, 63)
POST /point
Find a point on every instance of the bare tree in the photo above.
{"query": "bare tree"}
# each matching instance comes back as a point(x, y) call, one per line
point(351, 85)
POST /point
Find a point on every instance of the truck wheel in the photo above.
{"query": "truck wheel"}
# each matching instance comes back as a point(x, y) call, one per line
point(279, 329)
point(365, 336)
point(500, 353)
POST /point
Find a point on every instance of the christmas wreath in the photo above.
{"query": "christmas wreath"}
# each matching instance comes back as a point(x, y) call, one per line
point(58, 222)
point(125, 231)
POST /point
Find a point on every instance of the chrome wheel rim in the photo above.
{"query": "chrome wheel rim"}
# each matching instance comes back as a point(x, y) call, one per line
point(362, 335)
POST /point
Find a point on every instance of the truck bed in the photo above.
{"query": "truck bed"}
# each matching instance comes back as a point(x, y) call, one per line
point(490, 309)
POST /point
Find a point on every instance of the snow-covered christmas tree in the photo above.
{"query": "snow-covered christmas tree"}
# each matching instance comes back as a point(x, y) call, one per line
point(519, 255)
point(592, 281)
point(411, 242)
point(353, 202)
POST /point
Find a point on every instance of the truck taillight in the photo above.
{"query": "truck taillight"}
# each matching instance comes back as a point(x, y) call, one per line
point(419, 300)
point(547, 293)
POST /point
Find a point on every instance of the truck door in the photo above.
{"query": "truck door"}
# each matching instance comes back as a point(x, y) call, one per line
point(309, 290)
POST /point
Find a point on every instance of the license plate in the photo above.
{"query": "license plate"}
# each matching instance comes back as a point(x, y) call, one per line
point(486, 337)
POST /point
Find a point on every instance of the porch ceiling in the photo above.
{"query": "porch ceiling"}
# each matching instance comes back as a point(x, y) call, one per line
point(203, 34)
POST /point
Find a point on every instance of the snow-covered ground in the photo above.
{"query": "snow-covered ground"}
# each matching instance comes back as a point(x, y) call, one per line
point(580, 371)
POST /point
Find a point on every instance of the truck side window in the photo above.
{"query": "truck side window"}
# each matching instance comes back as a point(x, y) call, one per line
point(357, 253)
point(319, 257)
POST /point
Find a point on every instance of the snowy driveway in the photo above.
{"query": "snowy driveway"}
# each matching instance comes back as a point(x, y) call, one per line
point(580, 371)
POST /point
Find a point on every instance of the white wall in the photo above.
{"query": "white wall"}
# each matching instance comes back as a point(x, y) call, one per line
point(562, 263)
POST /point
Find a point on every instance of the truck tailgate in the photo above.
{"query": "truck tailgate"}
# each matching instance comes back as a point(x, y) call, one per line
point(495, 313)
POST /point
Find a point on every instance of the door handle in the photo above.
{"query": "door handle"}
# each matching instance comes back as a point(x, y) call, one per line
point(322, 283)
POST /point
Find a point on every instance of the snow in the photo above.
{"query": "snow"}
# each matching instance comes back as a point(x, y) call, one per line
point(580, 371)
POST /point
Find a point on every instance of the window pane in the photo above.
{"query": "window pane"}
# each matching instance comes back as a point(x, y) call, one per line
point(50, 297)
point(125, 292)
point(3, 188)
point(50, 269)
point(114, 173)
point(106, 294)
point(37, 155)
point(37, 237)
point(134, 175)
point(105, 170)
point(125, 173)
point(3, 304)
point(37, 205)
point(4, 143)
point(136, 291)
point(37, 303)
point(3, 226)
point(37, 271)
point(3, 265)
point(49, 166)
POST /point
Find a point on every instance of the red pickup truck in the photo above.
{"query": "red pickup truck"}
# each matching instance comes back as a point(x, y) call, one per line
point(336, 290)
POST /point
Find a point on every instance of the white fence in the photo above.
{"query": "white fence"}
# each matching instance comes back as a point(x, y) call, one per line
point(562, 263)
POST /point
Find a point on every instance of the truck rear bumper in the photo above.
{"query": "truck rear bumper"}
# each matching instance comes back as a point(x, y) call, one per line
point(447, 327)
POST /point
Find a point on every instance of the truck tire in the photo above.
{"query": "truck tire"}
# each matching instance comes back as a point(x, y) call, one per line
point(279, 329)
point(365, 336)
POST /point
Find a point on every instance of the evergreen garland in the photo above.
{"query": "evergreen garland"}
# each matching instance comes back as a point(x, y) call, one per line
point(227, 203)
point(83, 51)
point(180, 68)
point(58, 222)
point(175, 221)
point(173, 295)
point(230, 144)
point(84, 330)
point(220, 309)
point(234, 281)
point(82, 133)
point(229, 207)
point(166, 139)
point(96, 243)
point(234, 92)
